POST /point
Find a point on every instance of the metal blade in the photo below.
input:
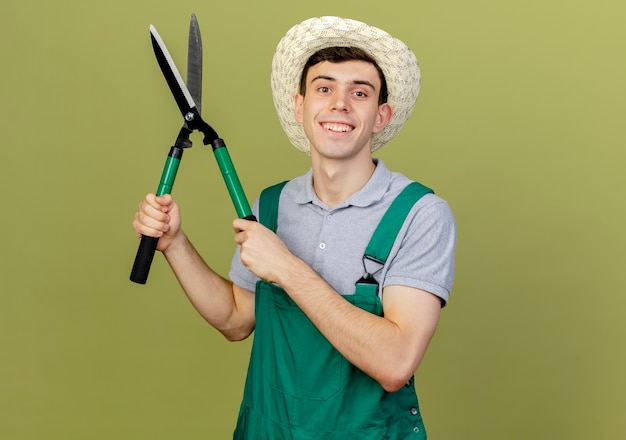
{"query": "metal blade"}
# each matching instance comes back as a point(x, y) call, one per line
point(194, 62)
point(170, 72)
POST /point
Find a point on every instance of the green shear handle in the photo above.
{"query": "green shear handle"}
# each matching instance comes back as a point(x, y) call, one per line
point(148, 245)
point(235, 190)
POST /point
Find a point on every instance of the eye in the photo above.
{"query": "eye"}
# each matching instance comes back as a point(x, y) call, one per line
point(323, 89)
point(360, 94)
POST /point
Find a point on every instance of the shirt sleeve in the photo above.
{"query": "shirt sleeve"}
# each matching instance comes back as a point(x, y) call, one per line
point(423, 257)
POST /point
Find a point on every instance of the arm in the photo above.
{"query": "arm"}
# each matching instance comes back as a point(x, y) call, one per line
point(388, 348)
point(226, 306)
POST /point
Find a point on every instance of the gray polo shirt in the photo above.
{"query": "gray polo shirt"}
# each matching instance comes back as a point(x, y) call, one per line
point(332, 241)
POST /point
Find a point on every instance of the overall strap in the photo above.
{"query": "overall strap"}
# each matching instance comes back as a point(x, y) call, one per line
point(387, 230)
point(268, 205)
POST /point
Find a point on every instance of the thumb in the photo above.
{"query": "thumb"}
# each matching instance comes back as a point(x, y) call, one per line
point(165, 201)
point(240, 225)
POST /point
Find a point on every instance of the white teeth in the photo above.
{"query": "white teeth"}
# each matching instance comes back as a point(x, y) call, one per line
point(341, 128)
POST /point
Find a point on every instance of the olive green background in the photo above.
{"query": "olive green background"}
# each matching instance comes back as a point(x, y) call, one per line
point(519, 125)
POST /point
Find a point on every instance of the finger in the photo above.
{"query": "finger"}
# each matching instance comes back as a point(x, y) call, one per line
point(148, 230)
point(149, 221)
point(240, 224)
point(153, 219)
point(160, 203)
point(156, 211)
point(240, 237)
point(165, 201)
point(151, 200)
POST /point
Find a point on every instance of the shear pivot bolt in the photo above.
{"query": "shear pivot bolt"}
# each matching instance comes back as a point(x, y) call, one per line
point(189, 117)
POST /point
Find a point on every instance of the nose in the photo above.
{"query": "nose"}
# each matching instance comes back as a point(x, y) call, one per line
point(340, 102)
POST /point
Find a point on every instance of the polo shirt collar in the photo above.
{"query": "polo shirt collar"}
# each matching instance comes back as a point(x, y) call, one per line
point(372, 192)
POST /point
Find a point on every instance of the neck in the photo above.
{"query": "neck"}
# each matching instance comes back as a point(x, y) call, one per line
point(335, 181)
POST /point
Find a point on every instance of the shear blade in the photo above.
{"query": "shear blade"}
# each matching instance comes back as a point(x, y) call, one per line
point(177, 86)
point(194, 62)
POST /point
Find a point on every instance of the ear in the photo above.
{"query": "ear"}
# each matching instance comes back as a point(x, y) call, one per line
point(385, 112)
point(298, 100)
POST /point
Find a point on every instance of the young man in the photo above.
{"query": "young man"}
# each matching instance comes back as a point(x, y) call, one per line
point(343, 302)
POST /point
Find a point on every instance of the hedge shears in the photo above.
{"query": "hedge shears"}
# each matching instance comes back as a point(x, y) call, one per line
point(189, 99)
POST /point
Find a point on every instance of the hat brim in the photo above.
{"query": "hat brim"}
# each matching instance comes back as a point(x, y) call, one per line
point(395, 59)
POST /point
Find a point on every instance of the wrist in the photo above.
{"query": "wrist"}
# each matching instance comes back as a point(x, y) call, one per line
point(294, 272)
point(178, 244)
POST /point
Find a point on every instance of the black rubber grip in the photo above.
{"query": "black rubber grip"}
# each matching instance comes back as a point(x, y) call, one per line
point(143, 259)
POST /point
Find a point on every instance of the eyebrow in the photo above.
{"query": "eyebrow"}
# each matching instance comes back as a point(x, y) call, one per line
point(354, 82)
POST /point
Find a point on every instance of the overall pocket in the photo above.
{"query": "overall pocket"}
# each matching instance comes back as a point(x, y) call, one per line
point(303, 363)
point(301, 353)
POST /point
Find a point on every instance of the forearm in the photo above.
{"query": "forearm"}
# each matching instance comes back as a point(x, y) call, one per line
point(222, 304)
point(389, 351)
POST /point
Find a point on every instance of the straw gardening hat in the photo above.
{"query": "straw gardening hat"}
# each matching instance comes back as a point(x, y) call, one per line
point(396, 60)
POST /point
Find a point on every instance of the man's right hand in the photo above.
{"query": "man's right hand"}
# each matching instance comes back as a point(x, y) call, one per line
point(158, 217)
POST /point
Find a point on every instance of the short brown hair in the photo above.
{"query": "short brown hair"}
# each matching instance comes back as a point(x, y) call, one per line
point(338, 54)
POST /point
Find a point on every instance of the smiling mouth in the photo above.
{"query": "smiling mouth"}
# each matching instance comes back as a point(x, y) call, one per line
point(337, 128)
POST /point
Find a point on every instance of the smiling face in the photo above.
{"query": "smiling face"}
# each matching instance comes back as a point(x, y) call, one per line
point(340, 110)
